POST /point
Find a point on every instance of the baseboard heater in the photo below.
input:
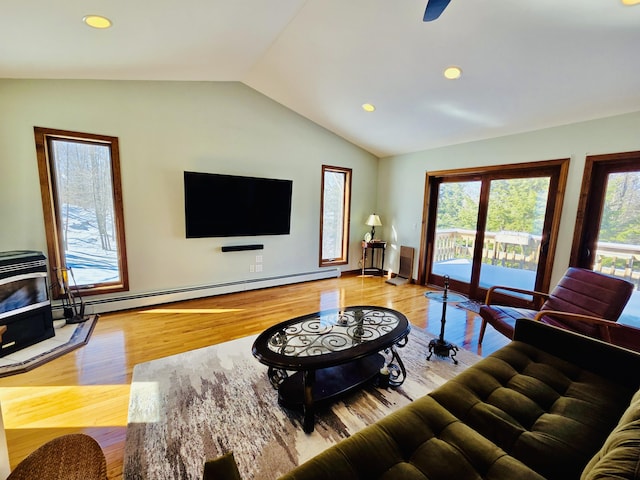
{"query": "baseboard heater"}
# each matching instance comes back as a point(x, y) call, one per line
point(146, 299)
point(240, 248)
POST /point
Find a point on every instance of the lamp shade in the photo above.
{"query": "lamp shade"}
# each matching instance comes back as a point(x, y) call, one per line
point(373, 221)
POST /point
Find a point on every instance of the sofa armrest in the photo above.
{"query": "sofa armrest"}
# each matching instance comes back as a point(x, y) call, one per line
point(600, 357)
point(619, 456)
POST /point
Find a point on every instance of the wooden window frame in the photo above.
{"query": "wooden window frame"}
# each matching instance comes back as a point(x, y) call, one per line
point(589, 213)
point(346, 220)
point(52, 221)
point(492, 172)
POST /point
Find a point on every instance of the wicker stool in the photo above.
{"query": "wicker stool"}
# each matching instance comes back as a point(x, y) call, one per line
point(70, 457)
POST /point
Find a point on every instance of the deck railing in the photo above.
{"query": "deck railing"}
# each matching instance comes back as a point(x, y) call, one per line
point(522, 250)
point(506, 249)
point(620, 260)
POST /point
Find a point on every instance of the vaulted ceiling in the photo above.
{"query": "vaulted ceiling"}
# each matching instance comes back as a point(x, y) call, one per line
point(527, 64)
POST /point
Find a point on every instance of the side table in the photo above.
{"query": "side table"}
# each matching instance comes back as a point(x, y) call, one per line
point(373, 245)
point(439, 345)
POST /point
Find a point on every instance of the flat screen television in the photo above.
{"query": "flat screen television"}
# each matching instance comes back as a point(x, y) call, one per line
point(233, 206)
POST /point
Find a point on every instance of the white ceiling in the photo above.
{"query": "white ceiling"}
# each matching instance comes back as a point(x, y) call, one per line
point(528, 64)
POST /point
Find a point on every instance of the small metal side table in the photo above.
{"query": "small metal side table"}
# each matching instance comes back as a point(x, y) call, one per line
point(439, 345)
point(373, 245)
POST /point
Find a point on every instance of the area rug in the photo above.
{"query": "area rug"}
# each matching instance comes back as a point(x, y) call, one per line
point(187, 408)
point(66, 339)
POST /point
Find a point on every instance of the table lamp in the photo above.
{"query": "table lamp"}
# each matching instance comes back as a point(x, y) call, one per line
point(373, 221)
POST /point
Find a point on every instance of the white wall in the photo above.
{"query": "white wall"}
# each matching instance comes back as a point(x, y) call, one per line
point(401, 179)
point(165, 128)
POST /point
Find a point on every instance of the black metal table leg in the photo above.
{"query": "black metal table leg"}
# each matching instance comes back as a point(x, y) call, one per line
point(309, 413)
point(442, 349)
point(440, 346)
point(398, 373)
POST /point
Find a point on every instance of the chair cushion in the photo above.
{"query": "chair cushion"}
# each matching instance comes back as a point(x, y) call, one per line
point(503, 318)
point(548, 413)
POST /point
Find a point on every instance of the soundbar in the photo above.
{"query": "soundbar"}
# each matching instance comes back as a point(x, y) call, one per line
point(240, 248)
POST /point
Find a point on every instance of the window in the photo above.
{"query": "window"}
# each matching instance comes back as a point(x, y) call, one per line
point(607, 232)
point(334, 215)
point(82, 204)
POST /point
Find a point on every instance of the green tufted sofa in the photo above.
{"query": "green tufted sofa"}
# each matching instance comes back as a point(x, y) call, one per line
point(552, 404)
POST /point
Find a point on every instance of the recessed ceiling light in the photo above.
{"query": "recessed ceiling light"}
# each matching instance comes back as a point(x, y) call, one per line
point(452, 73)
point(630, 2)
point(367, 107)
point(97, 21)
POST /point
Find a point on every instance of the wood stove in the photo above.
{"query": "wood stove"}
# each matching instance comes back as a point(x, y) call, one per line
point(25, 307)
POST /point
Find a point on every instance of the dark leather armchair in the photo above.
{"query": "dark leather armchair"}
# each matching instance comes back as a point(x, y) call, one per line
point(580, 292)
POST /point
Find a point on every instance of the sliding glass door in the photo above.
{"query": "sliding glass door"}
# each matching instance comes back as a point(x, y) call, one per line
point(493, 227)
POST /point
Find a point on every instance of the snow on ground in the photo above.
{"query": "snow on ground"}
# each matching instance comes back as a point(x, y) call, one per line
point(88, 261)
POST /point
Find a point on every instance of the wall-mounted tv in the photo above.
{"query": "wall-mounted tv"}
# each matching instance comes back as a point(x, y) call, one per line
point(233, 206)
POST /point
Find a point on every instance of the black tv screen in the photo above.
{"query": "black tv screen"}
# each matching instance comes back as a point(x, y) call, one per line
point(234, 206)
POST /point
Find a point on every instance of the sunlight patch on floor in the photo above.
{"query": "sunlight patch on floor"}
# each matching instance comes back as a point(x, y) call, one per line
point(146, 406)
point(64, 406)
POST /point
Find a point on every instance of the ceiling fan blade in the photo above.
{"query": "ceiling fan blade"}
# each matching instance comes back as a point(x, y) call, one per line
point(434, 9)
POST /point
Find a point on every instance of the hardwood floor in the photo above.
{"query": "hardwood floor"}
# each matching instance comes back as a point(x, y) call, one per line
point(87, 390)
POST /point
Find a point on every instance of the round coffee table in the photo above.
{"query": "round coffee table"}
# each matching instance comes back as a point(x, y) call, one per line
point(332, 352)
